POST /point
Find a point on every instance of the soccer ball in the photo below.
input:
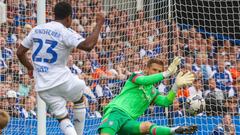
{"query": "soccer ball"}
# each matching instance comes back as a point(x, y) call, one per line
point(195, 104)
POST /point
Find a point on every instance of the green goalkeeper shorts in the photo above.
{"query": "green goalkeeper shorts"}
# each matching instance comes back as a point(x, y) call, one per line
point(114, 120)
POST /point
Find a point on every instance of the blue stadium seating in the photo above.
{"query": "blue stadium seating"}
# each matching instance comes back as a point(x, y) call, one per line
point(29, 126)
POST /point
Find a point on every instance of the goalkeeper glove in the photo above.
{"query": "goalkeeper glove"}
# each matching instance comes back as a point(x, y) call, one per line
point(183, 80)
point(172, 69)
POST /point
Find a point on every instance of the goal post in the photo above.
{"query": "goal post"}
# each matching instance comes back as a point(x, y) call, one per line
point(41, 106)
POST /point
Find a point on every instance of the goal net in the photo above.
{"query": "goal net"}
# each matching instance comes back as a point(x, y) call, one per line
point(204, 33)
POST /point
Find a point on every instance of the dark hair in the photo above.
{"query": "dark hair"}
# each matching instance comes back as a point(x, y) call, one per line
point(151, 61)
point(62, 10)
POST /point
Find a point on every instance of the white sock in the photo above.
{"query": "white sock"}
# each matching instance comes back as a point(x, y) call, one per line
point(67, 127)
point(79, 112)
point(173, 129)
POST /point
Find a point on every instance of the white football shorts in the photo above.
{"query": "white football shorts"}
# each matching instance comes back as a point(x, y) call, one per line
point(56, 98)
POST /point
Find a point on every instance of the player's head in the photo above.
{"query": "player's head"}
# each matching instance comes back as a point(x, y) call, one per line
point(63, 12)
point(4, 119)
point(154, 66)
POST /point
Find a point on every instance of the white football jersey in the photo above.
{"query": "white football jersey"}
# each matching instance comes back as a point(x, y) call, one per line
point(51, 45)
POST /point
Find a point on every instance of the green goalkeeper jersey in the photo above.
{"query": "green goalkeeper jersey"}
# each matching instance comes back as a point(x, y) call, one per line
point(138, 93)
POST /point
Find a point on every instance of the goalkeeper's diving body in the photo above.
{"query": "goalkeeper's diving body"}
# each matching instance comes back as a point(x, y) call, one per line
point(137, 94)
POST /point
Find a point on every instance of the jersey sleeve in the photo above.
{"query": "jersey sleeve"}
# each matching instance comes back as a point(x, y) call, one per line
point(165, 101)
point(71, 38)
point(140, 79)
point(28, 41)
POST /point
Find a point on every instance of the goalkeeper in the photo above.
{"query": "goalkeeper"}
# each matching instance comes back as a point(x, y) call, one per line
point(137, 94)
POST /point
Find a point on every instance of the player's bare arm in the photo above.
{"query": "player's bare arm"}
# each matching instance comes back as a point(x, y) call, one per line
point(89, 43)
point(22, 56)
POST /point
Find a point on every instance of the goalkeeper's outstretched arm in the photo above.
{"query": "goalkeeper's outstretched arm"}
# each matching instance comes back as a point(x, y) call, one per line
point(181, 80)
point(155, 78)
point(147, 80)
point(165, 101)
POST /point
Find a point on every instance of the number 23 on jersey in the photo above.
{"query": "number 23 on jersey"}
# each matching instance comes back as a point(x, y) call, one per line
point(52, 44)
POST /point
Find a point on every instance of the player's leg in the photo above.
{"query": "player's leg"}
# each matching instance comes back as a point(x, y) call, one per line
point(133, 127)
point(75, 94)
point(109, 125)
point(57, 106)
point(157, 130)
point(79, 111)
point(112, 121)
point(163, 130)
point(66, 126)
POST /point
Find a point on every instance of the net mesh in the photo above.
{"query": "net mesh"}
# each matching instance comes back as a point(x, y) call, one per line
point(204, 33)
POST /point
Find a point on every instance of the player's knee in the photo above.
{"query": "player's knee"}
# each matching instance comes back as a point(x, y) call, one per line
point(60, 114)
point(63, 118)
point(80, 102)
point(145, 127)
